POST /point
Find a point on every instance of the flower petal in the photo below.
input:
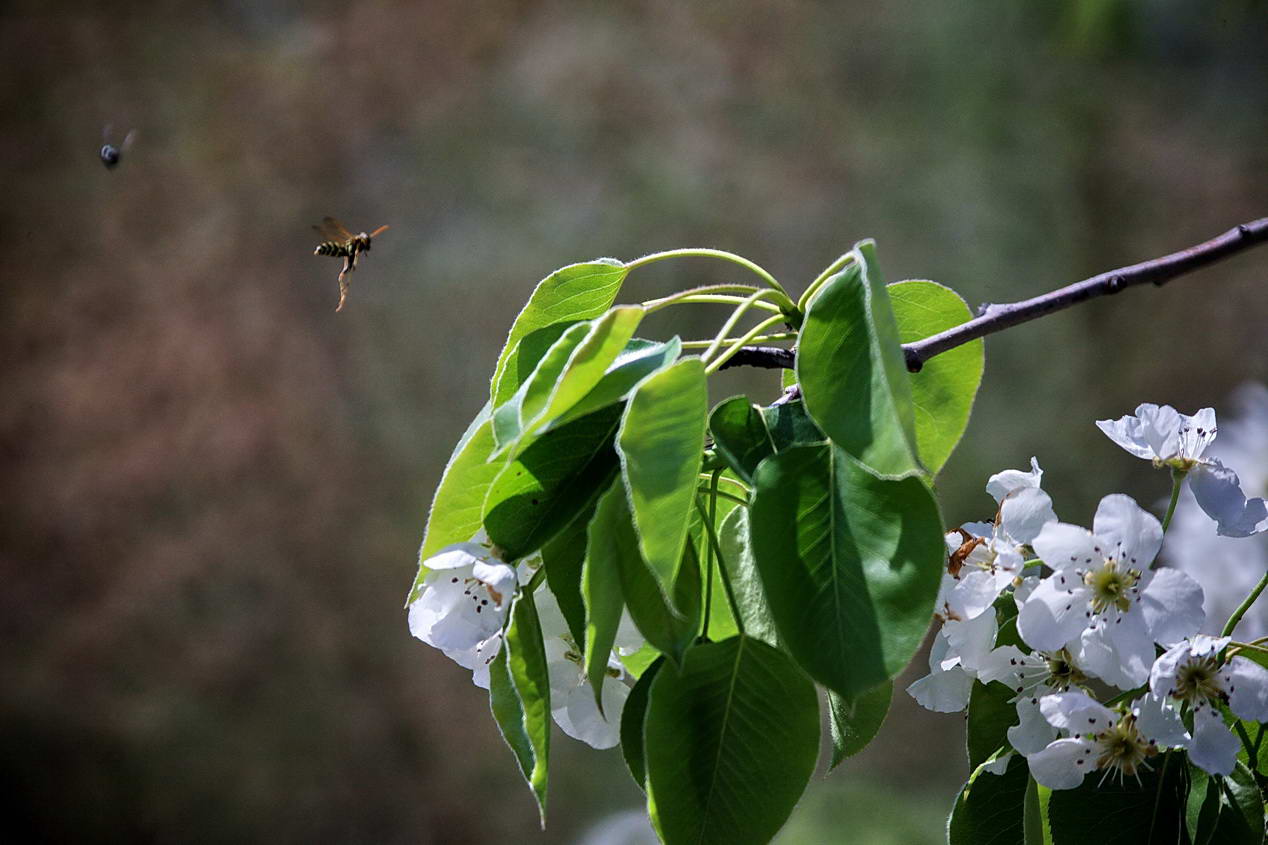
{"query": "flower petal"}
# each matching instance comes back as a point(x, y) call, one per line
point(1032, 733)
point(1214, 748)
point(943, 691)
point(1171, 604)
point(1218, 491)
point(1001, 484)
point(1054, 613)
point(1024, 514)
point(1066, 546)
point(1196, 433)
point(1063, 763)
point(1126, 432)
point(1134, 533)
point(1076, 712)
point(1247, 685)
point(1158, 721)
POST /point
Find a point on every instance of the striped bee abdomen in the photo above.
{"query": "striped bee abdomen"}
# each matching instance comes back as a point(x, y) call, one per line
point(334, 248)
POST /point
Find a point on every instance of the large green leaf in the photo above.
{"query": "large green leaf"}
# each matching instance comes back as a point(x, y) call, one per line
point(991, 713)
point(730, 741)
point(458, 505)
point(1145, 809)
point(668, 629)
point(508, 713)
point(637, 361)
point(851, 369)
point(1225, 811)
point(789, 425)
point(566, 374)
point(740, 435)
point(633, 716)
point(540, 493)
point(572, 293)
point(601, 586)
point(942, 392)
point(737, 554)
point(660, 444)
point(563, 557)
point(989, 808)
point(526, 665)
point(855, 723)
point(850, 564)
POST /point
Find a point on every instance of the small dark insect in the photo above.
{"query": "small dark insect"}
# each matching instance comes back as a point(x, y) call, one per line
point(110, 154)
point(341, 243)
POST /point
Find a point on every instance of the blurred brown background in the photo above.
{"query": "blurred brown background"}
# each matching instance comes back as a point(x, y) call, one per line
point(213, 486)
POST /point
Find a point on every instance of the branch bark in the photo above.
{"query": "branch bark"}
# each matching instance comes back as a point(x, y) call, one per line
point(994, 318)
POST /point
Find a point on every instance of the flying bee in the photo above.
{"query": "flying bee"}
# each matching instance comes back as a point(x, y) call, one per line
point(341, 243)
point(110, 154)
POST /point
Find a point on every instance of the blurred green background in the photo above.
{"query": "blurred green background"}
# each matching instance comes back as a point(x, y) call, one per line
point(214, 486)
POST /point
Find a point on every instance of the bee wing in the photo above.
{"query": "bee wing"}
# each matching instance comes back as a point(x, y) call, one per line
point(127, 141)
point(332, 229)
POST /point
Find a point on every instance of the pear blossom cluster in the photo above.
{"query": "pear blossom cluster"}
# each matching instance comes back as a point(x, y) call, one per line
point(1099, 647)
point(462, 610)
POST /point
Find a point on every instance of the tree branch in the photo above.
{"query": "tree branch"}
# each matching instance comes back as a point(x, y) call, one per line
point(994, 318)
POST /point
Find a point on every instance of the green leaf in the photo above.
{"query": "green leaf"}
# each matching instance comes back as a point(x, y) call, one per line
point(851, 369)
point(789, 425)
point(730, 741)
point(526, 663)
point(540, 493)
point(850, 564)
point(664, 629)
point(601, 586)
point(456, 508)
point(855, 723)
point(942, 393)
point(737, 554)
point(562, 558)
point(989, 808)
point(660, 442)
point(569, 370)
point(508, 713)
point(740, 435)
point(1150, 811)
point(572, 293)
point(1225, 810)
point(637, 361)
point(991, 714)
point(632, 719)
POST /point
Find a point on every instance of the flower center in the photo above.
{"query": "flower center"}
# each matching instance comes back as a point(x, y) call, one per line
point(1062, 673)
point(1198, 680)
point(1122, 748)
point(1111, 586)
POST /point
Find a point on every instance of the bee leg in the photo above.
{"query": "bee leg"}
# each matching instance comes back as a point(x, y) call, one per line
point(343, 292)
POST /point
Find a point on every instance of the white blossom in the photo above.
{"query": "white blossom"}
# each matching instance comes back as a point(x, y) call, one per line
point(1031, 677)
point(1193, 675)
point(957, 651)
point(1168, 438)
point(987, 557)
point(464, 598)
point(1094, 738)
point(572, 699)
point(1228, 568)
point(1103, 595)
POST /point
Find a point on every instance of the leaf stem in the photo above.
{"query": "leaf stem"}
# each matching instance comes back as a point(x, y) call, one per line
point(722, 570)
point(766, 338)
point(738, 500)
point(702, 252)
point(1245, 606)
point(717, 363)
point(732, 481)
point(710, 556)
point(690, 294)
point(736, 315)
point(1177, 482)
point(831, 270)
